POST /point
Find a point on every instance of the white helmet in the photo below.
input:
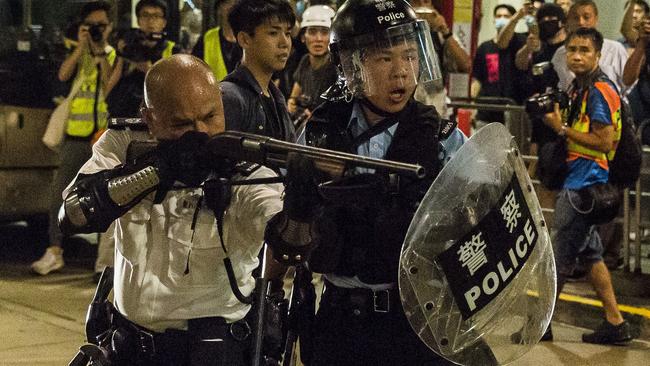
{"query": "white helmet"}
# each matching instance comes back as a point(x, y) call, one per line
point(317, 16)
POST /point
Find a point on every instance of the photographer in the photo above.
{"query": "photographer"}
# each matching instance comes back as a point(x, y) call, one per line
point(138, 49)
point(90, 64)
point(591, 130)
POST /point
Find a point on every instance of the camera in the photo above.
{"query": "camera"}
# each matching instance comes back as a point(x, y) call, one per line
point(140, 46)
point(543, 103)
point(96, 32)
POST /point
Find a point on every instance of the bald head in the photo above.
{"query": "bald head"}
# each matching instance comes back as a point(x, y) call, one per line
point(176, 71)
point(182, 94)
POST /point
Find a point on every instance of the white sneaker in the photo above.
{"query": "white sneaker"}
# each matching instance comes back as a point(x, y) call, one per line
point(50, 261)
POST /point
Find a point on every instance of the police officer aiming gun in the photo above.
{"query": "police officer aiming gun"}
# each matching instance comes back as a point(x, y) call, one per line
point(173, 300)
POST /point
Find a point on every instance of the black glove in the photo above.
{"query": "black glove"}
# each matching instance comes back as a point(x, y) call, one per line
point(302, 200)
point(182, 160)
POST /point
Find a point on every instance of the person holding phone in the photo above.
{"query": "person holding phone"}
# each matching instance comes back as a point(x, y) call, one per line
point(527, 13)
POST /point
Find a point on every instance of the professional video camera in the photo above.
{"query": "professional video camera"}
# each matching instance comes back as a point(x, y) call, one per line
point(543, 103)
point(140, 46)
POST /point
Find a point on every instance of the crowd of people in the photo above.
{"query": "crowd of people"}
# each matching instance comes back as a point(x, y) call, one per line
point(330, 80)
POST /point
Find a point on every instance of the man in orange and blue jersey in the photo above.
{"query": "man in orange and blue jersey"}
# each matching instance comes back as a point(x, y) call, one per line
point(592, 132)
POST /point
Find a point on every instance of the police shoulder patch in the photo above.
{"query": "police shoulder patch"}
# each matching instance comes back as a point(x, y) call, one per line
point(245, 168)
point(136, 124)
point(446, 128)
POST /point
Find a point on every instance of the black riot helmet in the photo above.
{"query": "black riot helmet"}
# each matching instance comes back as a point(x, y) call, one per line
point(361, 26)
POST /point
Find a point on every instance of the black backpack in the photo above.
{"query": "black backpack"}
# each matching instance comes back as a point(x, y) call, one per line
point(625, 168)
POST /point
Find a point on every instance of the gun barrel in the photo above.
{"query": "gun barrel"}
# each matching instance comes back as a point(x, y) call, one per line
point(270, 151)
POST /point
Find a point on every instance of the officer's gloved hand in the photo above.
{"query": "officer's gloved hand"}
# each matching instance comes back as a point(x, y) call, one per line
point(182, 160)
point(302, 200)
point(292, 233)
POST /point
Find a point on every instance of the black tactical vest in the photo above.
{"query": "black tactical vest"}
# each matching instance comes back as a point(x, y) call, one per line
point(365, 238)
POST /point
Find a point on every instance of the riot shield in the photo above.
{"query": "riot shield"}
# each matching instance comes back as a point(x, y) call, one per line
point(477, 264)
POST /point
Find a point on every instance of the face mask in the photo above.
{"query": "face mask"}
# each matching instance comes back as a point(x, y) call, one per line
point(300, 7)
point(501, 22)
point(548, 29)
point(530, 20)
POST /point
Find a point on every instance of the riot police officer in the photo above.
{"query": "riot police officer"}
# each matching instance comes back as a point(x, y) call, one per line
point(383, 53)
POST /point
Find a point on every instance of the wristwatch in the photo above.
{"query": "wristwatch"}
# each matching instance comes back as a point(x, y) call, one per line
point(562, 131)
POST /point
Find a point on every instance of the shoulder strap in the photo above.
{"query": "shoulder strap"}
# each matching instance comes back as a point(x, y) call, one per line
point(373, 131)
point(76, 86)
point(574, 112)
point(218, 194)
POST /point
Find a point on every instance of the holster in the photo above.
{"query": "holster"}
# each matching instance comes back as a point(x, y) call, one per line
point(98, 317)
point(268, 315)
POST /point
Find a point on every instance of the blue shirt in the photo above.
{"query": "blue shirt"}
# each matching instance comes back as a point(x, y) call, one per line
point(585, 172)
point(377, 147)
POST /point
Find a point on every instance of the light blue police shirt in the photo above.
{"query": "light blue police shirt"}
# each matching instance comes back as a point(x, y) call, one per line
point(377, 147)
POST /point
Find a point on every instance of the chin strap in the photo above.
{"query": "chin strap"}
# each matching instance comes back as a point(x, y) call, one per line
point(374, 109)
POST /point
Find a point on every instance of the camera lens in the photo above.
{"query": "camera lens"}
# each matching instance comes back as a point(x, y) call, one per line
point(96, 32)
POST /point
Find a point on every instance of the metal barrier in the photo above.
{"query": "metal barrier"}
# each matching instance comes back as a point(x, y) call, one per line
point(516, 120)
point(640, 223)
point(515, 117)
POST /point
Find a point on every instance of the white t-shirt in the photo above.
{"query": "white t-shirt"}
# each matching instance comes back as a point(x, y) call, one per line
point(612, 62)
point(167, 273)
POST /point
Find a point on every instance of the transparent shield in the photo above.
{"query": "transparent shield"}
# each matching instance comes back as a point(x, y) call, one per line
point(394, 62)
point(465, 294)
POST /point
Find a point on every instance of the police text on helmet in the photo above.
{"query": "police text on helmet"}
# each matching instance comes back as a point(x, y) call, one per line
point(390, 17)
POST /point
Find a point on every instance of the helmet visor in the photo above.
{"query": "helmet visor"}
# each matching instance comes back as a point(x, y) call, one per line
point(394, 62)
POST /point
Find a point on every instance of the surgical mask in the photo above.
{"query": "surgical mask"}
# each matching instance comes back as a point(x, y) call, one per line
point(501, 22)
point(300, 7)
point(548, 29)
point(530, 20)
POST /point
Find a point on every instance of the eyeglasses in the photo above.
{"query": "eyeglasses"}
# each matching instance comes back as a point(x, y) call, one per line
point(151, 16)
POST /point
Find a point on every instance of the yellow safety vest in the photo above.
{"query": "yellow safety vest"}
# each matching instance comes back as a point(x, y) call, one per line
point(212, 53)
point(81, 121)
point(167, 52)
point(583, 122)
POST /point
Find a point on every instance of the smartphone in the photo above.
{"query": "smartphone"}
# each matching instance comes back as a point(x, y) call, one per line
point(533, 28)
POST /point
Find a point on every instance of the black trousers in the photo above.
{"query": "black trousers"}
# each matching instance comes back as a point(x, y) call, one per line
point(345, 337)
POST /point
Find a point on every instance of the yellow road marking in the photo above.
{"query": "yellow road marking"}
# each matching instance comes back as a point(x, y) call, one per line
point(624, 308)
point(586, 301)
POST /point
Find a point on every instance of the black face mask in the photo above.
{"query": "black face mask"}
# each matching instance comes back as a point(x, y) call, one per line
point(549, 28)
